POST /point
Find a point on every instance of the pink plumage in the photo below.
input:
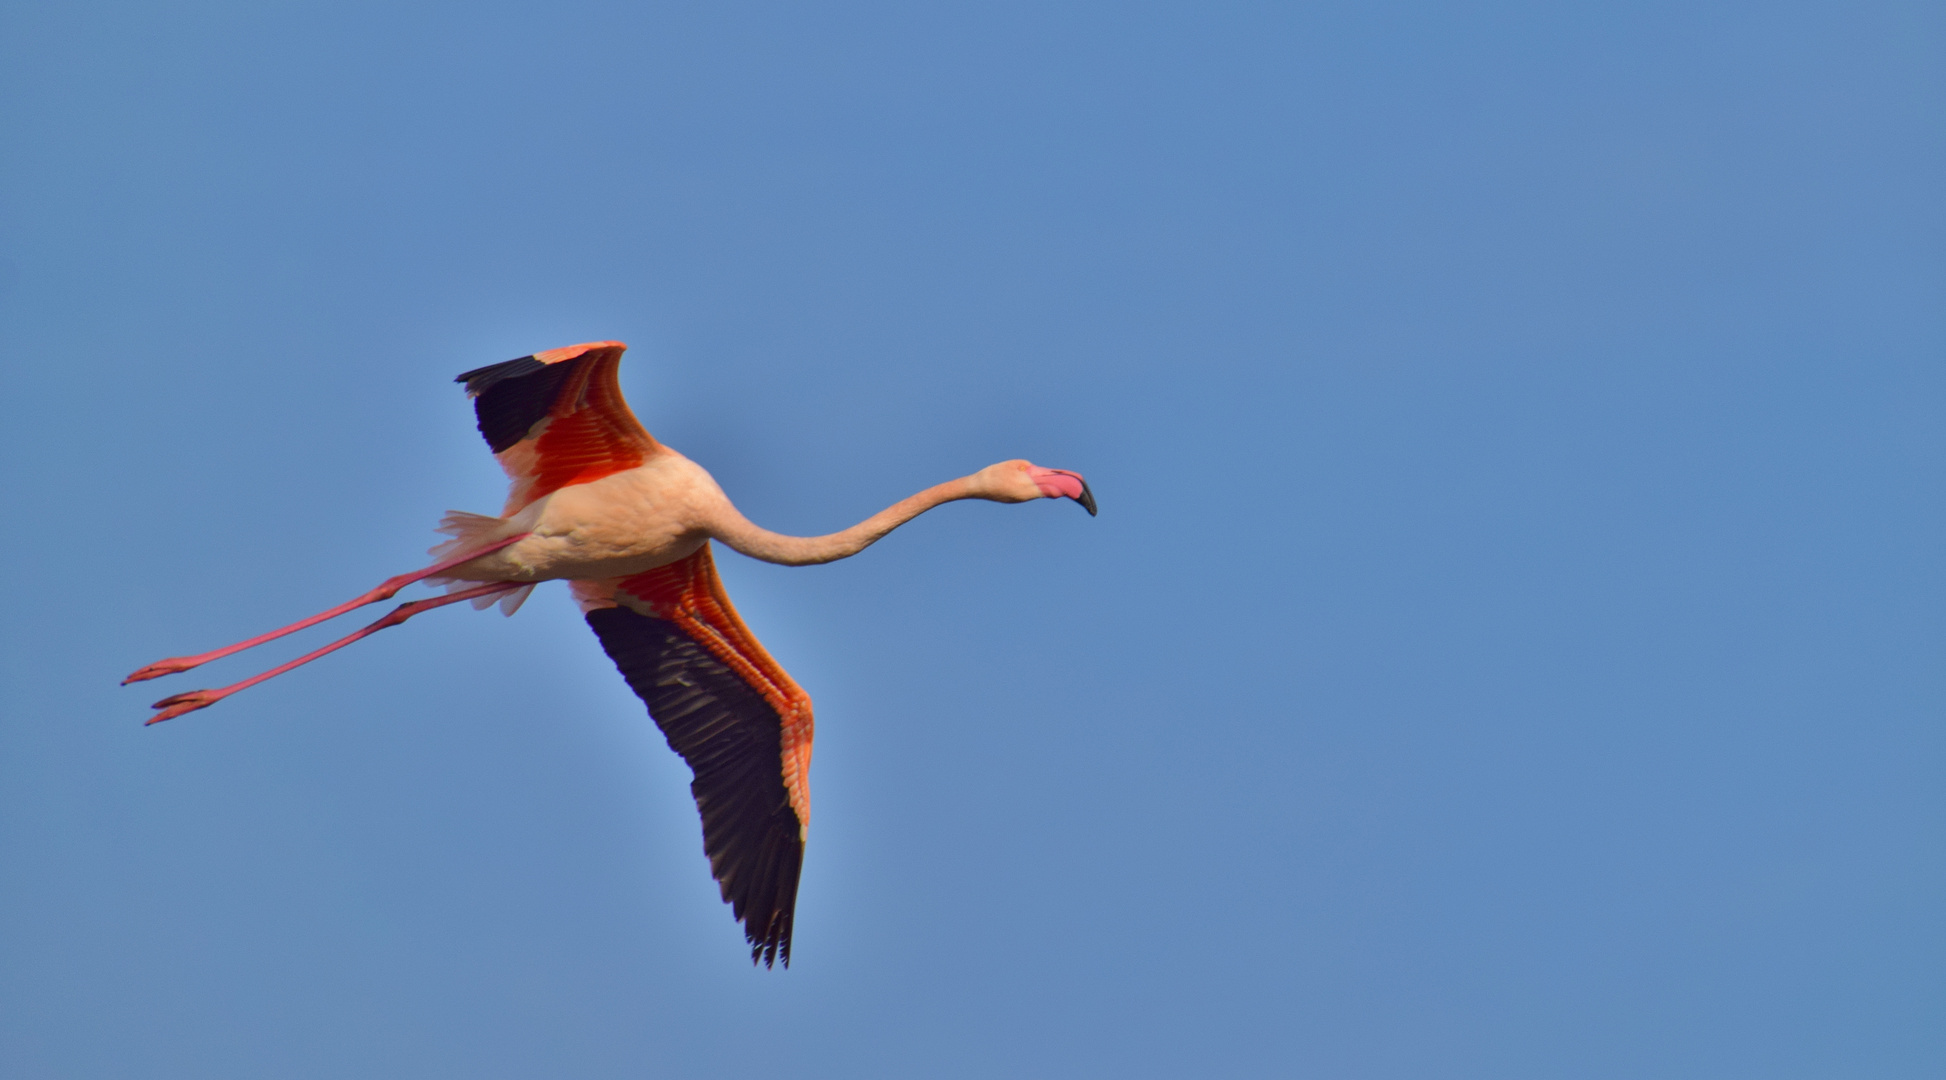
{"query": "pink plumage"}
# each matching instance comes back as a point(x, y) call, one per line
point(595, 500)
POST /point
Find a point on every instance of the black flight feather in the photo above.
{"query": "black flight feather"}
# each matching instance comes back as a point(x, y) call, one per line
point(732, 739)
point(510, 398)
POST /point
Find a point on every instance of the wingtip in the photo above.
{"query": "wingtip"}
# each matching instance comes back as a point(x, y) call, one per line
point(481, 379)
point(771, 955)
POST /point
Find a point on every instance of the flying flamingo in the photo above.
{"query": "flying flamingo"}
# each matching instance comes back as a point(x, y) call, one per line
point(627, 522)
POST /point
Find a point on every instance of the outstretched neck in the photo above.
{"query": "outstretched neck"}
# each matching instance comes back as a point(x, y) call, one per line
point(742, 535)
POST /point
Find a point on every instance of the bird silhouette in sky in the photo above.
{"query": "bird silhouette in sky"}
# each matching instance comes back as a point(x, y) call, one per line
point(627, 522)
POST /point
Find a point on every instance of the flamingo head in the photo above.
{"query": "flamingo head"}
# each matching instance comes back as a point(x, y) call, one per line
point(1023, 481)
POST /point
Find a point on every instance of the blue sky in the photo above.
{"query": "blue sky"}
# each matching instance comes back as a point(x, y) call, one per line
point(1510, 644)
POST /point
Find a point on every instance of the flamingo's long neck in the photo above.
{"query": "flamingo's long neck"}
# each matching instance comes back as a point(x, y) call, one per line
point(759, 543)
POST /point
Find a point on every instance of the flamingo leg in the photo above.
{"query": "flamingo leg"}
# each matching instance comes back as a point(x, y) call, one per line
point(385, 591)
point(201, 699)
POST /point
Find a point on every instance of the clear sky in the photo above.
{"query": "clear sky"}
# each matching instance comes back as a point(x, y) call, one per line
point(1511, 644)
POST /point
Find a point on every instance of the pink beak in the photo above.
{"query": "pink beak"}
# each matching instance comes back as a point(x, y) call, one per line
point(1062, 484)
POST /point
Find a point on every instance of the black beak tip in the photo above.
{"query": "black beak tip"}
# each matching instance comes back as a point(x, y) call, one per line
point(1086, 499)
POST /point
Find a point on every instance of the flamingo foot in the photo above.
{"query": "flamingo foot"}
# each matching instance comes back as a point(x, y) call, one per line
point(179, 704)
point(164, 667)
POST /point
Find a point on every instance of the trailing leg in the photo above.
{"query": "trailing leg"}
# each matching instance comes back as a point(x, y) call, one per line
point(201, 699)
point(385, 591)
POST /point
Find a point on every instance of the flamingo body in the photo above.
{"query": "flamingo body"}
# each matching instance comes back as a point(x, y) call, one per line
point(623, 523)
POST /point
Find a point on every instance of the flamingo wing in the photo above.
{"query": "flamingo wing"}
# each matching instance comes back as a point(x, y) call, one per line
point(733, 714)
point(557, 418)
